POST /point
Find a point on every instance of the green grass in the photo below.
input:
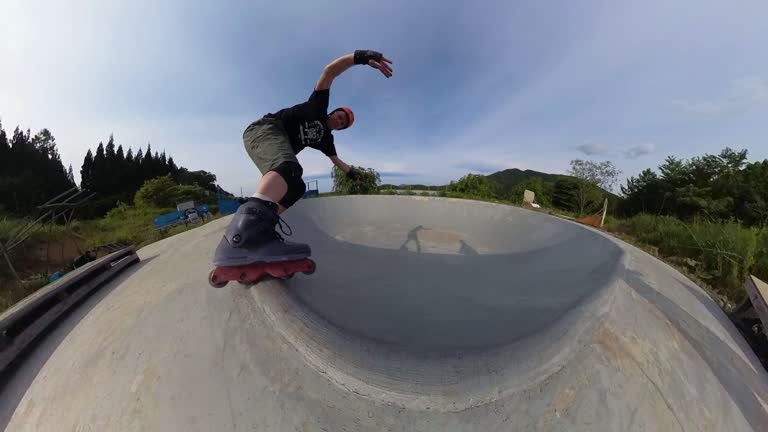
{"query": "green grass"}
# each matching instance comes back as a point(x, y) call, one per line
point(719, 254)
point(122, 224)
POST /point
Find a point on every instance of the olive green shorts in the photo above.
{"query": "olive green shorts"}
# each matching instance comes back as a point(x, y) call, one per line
point(266, 142)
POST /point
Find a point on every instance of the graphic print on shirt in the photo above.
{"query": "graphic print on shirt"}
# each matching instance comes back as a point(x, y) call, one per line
point(311, 132)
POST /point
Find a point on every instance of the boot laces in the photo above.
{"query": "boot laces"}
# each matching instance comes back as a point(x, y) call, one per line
point(280, 222)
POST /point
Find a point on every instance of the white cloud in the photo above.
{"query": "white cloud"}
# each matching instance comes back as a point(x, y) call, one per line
point(593, 148)
point(640, 150)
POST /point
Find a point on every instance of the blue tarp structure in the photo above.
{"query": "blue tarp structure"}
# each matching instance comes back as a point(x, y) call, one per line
point(310, 190)
point(178, 217)
point(226, 205)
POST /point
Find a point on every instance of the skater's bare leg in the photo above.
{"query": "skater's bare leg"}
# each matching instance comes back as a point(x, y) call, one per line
point(274, 186)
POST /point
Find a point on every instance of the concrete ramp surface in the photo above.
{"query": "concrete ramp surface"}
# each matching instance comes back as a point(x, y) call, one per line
point(425, 314)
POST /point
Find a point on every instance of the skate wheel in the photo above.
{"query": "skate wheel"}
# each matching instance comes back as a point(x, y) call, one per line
point(312, 268)
point(214, 280)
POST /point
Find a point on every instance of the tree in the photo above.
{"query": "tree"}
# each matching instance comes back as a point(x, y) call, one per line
point(32, 171)
point(162, 192)
point(576, 195)
point(643, 194)
point(473, 185)
point(86, 172)
point(109, 150)
point(146, 170)
point(601, 174)
point(22, 152)
point(201, 178)
point(543, 190)
point(5, 149)
point(71, 175)
point(99, 173)
point(173, 169)
point(751, 194)
point(367, 182)
point(45, 144)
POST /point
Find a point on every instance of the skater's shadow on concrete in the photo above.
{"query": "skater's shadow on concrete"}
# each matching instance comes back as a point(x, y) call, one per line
point(438, 302)
point(25, 368)
point(738, 377)
point(413, 238)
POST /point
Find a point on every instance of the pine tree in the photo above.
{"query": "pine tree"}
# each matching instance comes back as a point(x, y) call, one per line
point(71, 175)
point(45, 144)
point(121, 174)
point(86, 172)
point(173, 170)
point(157, 168)
point(110, 167)
point(138, 175)
point(5, 149)
point(21, 154)
point(109, 150)
point(146, 164)
point(99, 170)
point(120, 158)
point(139, 157)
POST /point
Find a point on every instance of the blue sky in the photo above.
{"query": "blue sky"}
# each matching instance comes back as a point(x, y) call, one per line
point(477, 86)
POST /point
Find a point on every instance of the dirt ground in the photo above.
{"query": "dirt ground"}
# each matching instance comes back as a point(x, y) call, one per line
point(45, 256)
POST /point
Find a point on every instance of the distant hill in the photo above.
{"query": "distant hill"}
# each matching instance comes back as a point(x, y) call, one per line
point(505, 180)
point(412, 187)
point(510, 178)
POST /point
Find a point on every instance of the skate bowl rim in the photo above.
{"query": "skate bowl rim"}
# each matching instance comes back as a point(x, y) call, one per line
point(392, 377)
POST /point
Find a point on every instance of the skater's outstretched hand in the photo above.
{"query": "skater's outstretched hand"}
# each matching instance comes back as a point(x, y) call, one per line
point(375, 60)
point(382, 65)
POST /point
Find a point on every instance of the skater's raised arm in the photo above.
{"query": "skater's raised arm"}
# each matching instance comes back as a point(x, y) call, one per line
point(337, 67)
point(348, 170)
point(340, 163)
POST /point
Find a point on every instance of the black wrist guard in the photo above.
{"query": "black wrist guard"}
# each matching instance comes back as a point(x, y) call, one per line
point(363, 56)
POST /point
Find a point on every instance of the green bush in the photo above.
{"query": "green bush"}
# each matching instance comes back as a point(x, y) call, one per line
point(162, 192)
point(367, 182)
point(726, 251)
point(760, 269)
point(668, 234)
point(720, 253)
point(474, 185)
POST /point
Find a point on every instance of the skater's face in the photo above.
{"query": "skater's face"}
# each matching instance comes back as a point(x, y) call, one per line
point(337, 120)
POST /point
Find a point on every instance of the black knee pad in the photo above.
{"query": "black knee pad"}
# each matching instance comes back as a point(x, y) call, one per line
point(291, 172)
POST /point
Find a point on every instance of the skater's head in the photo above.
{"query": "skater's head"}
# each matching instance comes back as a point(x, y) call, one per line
point(340, 118)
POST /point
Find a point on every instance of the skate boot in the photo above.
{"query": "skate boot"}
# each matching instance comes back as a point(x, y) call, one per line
point(252, 248)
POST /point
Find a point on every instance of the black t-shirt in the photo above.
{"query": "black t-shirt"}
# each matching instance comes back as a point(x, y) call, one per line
point(305, 124)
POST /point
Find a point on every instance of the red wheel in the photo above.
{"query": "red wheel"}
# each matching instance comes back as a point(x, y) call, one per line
point(214, 280)
point(312, 268)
